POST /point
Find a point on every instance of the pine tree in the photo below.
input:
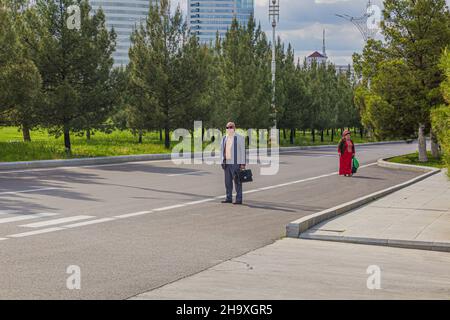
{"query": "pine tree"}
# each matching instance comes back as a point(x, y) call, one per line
point(20, 80)
point(75, 65)
point(167, 73)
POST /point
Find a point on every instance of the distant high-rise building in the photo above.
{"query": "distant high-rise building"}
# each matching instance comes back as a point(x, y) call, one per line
point(206, 17)
point(123, 15)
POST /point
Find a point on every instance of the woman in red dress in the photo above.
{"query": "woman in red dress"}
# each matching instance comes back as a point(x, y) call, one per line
point(346, 151)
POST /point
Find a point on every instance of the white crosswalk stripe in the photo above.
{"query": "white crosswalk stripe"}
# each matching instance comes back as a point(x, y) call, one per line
point(27, 217)
point(6, 212)
point(86, 223)
point(32, 233)
point(56, 221)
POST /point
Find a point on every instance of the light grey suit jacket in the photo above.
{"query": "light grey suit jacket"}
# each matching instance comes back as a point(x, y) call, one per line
point(240, 157)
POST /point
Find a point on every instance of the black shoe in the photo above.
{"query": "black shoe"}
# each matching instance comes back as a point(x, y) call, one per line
point(227, 201)
point(237, 202)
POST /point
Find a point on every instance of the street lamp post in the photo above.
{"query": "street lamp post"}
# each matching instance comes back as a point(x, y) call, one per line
point(274, 15)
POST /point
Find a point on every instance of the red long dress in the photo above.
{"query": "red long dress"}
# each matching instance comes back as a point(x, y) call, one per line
point(345, 158)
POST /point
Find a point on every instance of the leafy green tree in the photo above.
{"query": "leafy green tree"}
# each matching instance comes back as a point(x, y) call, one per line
point(167, 73)
point(415, 34)
point(245, 76)
point(347, 114)
point(76, 67)
point(291, 94)
point(441, 115)
point(20, 80)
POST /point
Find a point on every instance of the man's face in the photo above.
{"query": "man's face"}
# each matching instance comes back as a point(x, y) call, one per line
point(230, 128)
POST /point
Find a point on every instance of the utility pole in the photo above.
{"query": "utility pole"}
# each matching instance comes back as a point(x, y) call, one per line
point(274, 15)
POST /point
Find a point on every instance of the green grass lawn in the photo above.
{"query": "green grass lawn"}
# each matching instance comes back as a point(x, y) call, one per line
point(45, 147)
point(413, 159)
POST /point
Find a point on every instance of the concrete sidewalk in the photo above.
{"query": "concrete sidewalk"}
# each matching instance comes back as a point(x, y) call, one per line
point(308, 269)
point(415, 217)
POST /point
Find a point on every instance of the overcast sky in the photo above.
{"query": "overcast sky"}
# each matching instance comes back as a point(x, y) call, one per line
point(302, 22)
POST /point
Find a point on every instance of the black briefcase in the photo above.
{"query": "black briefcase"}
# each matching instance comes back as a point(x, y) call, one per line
point(245, 175)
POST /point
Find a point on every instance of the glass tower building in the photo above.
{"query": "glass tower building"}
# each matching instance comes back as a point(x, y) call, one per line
point(123, 16)
point(206, 17)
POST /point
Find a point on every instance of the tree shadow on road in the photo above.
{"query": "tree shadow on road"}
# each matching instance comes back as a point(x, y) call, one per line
point(41, 183)
point(150, 168)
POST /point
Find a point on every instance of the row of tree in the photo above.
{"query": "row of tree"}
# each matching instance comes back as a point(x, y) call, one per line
point(63, 79)
point(52, 76)
point(173, 80)
point(401, 77)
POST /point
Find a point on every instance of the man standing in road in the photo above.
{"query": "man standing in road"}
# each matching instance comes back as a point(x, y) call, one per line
point(233, 159)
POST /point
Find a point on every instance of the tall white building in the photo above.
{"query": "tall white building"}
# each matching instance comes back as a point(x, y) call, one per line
point(206, 17)
point(123, 15)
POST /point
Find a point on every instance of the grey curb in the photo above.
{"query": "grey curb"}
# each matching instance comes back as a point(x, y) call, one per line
point(408, 244)
point(400, 166)
point(80, 162)
point(131, 158)
point(295, 228)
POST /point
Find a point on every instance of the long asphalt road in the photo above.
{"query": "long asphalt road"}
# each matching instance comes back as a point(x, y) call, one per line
point(137, 226)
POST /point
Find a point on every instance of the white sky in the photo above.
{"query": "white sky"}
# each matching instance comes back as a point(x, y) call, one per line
point(302, 22)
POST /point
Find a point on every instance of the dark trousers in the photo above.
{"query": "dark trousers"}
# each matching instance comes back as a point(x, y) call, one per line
point(231, 171)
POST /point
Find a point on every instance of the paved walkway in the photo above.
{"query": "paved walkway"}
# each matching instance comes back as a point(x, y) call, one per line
point(309, 269)
point(415, 217)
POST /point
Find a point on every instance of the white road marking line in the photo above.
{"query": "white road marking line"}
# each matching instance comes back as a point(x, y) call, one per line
point(200, 201)
point(80, 224)
point(170, 207)
point(266, 188)
point(32, 233)
point(27, 217)
point(56, 221)
point(86, 223)
point(134, 214)
point(368, 165)
point(251, 191)
point(26, 191)
point(1, 239)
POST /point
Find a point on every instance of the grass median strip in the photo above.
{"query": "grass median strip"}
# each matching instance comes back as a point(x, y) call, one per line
point(117, 143)
point(413, 159)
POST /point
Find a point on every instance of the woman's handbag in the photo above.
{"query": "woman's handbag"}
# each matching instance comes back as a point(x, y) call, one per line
point(245, 175)
point(355, 165)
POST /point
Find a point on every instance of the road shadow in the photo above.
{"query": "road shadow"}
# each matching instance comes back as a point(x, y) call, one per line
point(12, 185)
point(149, 168)
point(280, 207)
point(367, 178)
